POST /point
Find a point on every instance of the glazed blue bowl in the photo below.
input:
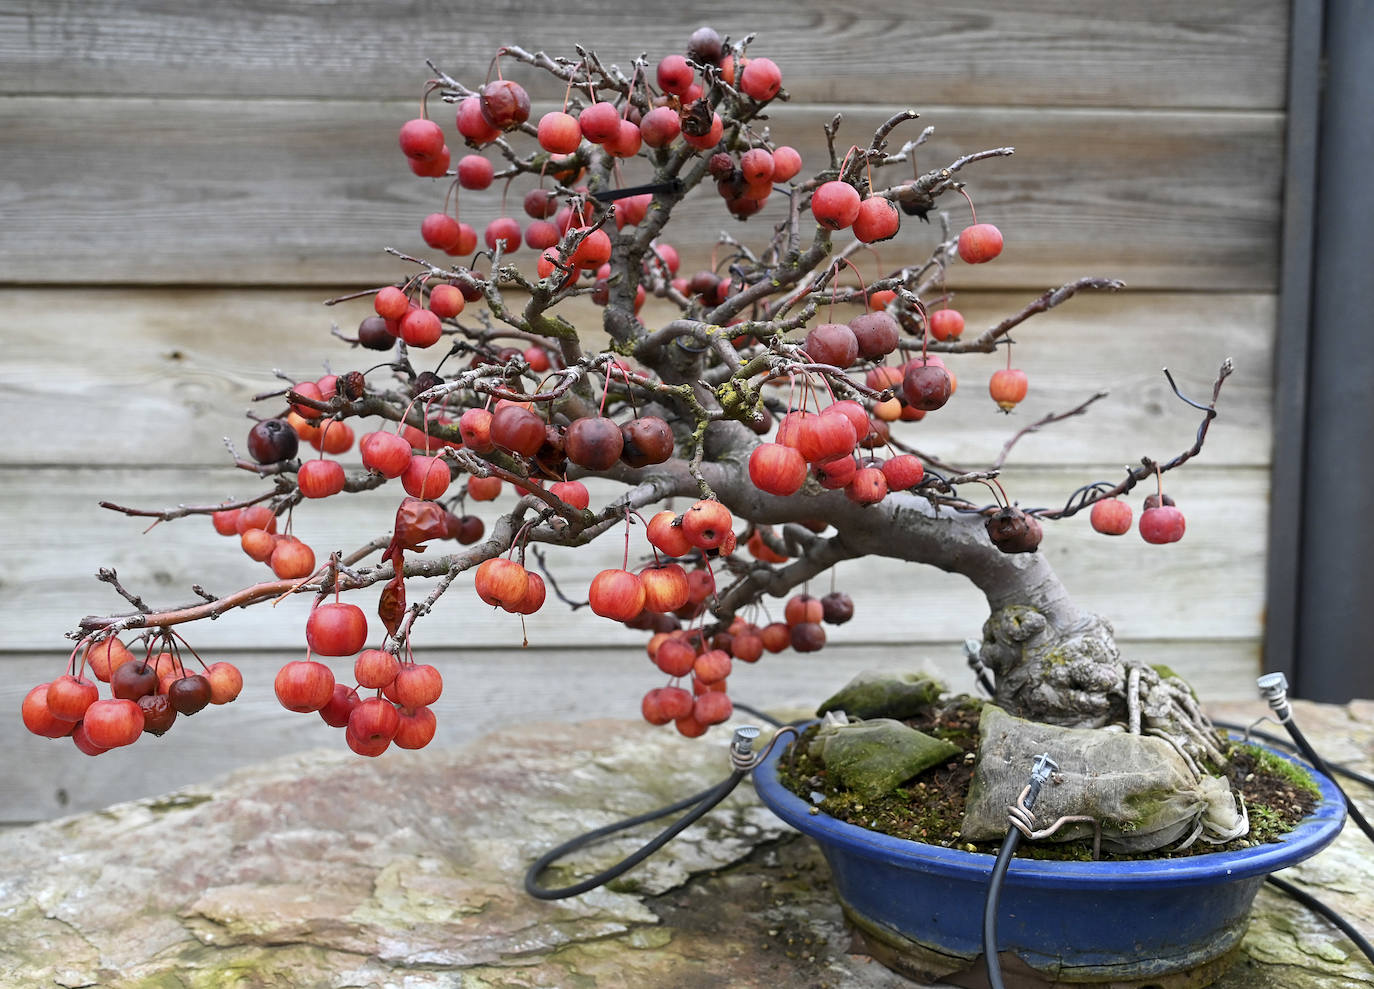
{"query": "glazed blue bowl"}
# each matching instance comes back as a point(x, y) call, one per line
point(920, 907)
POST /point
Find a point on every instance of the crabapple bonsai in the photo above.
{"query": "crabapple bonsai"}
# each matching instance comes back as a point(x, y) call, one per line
point(755, 402)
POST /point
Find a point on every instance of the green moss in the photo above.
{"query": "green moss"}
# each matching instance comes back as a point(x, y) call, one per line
point(930, 807)
point(1276, 765)
point(1056, 656)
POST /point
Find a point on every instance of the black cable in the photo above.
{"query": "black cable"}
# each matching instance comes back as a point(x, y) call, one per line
point(1305, 747)
point(1317, 906)
point(1044, 765)
point(705, 800)
point(750, 709)
point(999, 873)
point(1273, 688)
point(1287, 744)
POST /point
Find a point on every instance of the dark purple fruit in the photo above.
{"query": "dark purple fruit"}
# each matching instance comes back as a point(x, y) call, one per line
point(272, 441)
point(158, 713)
point(189, 694)
point(876, 332)
point(653, 621)
point(593, 442)
point(505, 104)
point(352, 385)
point(373, 334)
point(807, 636)
point(426, 380)
point(467, 529)
point(832, 343)
point(1013, 531)
point(133, 679)
point(647, 440)
point(705, 46)
point(720, 165)
point(926, 387)
point(837, 608)
point(704, 284)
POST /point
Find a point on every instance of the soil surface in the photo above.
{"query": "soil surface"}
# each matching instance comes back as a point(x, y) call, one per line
point(930, 806)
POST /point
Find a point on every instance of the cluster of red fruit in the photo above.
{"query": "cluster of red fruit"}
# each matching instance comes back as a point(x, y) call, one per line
point(1160, 522)
point(825, 443)
point(677, 110)
point(664, 588)
point(256, 527)
point(661, 593)
point(146, 695)
point(400, 710)
point(709, 661)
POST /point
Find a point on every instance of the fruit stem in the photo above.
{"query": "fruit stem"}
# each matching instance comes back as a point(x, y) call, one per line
point(857, 274)
point(971, 207)
point(606, 388)
point(826, 381)
point(845, 162)
point(72, 667)
point(430, 87)
point(188, 646)
point(629, 93)
point(567, 95)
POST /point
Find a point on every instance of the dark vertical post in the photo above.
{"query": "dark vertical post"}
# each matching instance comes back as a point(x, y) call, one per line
point(1335, 590)
point(1291, 345)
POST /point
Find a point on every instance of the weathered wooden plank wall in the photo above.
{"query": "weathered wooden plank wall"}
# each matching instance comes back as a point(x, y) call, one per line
point(180, 186)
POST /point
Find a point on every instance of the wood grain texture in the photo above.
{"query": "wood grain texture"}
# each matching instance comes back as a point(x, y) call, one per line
point(273, 192)
point(1212, 584)
point(483, 690)
point(162, 375)
point(1171, 53)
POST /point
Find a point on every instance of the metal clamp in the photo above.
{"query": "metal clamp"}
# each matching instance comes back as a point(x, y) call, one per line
point(1022, 819)
point(742, 755)
point(1273, 687)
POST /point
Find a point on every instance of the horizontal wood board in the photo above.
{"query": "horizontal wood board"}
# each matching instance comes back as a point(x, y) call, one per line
point(483, 690)
point(278, 192)
point(1210, 584)
point(159, 377)
point(1166, 53)
point(250, 149)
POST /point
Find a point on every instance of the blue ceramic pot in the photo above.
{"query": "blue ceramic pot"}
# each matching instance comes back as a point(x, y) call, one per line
point(1147, 923)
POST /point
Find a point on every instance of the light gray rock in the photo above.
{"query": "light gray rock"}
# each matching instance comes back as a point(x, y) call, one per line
point(404, 872)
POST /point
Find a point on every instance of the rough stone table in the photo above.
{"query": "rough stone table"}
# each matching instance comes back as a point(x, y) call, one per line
point(326, 870)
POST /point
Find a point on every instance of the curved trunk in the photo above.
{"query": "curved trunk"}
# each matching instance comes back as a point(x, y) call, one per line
point(1051, 661)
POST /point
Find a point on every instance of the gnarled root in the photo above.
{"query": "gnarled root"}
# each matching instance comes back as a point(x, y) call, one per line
point(1075, 676)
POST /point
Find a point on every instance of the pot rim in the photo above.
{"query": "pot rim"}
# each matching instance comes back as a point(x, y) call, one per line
point(1311, 835)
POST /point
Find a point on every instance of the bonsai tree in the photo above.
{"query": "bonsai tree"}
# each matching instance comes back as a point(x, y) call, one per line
point(777, 428)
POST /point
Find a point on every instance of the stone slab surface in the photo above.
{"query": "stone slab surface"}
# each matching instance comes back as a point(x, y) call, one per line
point(327, 870)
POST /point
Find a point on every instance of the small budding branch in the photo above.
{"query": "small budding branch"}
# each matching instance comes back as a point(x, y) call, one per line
point(783, 427)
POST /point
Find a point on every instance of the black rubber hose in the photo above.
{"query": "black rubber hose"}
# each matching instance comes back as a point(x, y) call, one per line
point(704, 801)
point(999, 873)
point(1286, 743)
point(1317, 906)
point(1305, 747)
point(769, 719)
